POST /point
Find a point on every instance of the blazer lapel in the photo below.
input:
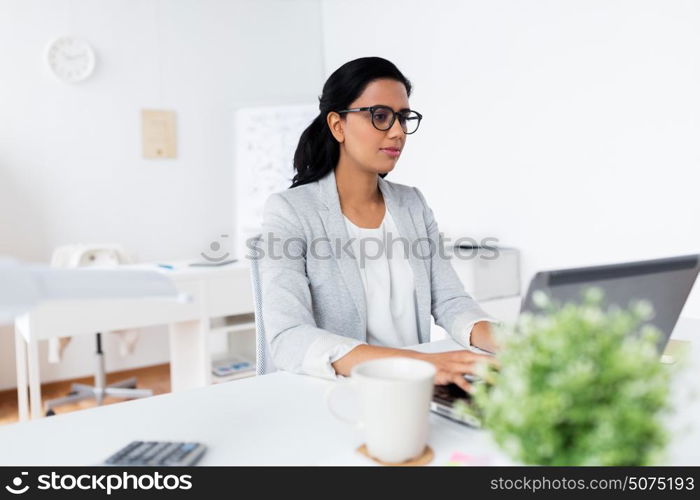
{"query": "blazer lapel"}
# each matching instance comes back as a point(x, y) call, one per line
point(406, 219)
point(339, 238)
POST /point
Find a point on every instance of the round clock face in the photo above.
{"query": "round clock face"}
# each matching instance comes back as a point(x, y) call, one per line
point(70, 59)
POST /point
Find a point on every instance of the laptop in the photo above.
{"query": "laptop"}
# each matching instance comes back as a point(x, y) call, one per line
point(665, 283)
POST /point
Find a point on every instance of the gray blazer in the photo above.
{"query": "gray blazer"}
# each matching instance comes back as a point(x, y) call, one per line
point(312, 288)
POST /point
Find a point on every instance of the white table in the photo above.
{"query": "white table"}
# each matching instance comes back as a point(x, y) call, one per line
point(215, 291)
point(275, 419)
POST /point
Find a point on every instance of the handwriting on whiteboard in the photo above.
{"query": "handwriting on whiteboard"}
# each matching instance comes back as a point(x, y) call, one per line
point(265, 139)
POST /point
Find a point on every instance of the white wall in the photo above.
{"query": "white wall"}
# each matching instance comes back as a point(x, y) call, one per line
point(70, 155)
point(568, 129)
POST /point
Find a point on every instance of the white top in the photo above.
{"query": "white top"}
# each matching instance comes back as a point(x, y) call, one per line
point(390, 296)
point(390, 292)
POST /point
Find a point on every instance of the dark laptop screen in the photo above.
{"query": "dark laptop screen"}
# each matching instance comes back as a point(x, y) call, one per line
point(665, 283)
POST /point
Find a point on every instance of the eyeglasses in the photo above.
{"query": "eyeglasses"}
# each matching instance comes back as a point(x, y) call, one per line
point(383, 117)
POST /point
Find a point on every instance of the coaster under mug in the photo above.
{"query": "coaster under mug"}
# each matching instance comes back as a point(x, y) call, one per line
point(394, 400)
point(424, 458)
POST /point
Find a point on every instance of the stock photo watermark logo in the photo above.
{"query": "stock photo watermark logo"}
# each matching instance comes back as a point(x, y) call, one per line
point(215, 248)
point(106, 483)
point(269, 245)
point(17, 486)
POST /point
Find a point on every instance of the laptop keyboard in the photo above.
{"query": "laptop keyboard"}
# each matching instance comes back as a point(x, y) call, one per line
point(447, 394)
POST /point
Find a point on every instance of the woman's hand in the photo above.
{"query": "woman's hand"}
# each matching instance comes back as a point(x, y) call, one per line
point(453, 365)
point(483, 337)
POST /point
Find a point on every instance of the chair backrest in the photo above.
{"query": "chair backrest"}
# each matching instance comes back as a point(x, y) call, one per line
point(98, 255)
point(263, 361)
point(89, 255)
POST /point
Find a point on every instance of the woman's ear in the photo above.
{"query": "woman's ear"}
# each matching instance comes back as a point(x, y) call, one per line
point(335, 123)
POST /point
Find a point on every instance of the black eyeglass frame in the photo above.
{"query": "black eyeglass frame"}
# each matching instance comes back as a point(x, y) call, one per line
point(394, 114)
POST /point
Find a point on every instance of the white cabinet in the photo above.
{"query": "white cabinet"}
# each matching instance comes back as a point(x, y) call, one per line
point(492, 277)
point(488, 273)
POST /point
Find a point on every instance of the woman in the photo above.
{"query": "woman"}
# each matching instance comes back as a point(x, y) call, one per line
point(326, 308)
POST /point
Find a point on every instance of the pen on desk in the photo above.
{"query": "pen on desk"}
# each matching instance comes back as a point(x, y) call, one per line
point(165, 266)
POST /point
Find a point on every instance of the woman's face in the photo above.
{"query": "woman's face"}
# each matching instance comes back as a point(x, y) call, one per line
point(363, 145)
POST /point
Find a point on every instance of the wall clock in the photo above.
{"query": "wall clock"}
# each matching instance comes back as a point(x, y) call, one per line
point(70, 59)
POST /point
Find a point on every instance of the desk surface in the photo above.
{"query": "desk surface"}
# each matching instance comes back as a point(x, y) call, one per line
point(181, 269)
point(276, 419)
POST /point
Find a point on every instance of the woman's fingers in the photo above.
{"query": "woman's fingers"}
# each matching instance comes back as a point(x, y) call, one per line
point(463, 368)
point(459, 380)
point(472, 357)
point(450, 377)
point(452, 366)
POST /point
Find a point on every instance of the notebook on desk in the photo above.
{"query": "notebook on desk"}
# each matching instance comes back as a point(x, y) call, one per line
point(665, 283)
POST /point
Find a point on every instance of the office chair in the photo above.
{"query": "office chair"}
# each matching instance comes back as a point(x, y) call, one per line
point(81, 256)
point(263, 359)
point(79, 392)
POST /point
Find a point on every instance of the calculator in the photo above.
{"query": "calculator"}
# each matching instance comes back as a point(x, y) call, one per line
point(157, 454)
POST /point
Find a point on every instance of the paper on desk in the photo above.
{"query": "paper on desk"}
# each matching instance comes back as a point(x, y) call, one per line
point(22, 285)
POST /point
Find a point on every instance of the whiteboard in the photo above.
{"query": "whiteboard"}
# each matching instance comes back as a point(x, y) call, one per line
point(265, 139)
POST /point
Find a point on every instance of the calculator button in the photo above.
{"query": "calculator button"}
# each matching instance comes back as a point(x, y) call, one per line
point(157, 453)
point(118, 456)
point(169, 449)
point(134, 454)
point(155, 450)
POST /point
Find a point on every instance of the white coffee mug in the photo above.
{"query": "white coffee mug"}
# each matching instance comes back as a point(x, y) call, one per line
point(395, 395)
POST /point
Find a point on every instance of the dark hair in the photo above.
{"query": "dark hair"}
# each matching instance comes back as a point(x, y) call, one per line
point(318, 152)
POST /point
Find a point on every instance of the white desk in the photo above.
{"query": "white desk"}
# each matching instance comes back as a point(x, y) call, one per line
point(276, 419)
point(215, 291)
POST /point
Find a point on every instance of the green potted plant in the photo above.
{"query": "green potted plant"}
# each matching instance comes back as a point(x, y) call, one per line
point(578, 385)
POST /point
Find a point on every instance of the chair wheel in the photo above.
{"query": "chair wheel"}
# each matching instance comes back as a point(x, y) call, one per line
point(50, 412)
